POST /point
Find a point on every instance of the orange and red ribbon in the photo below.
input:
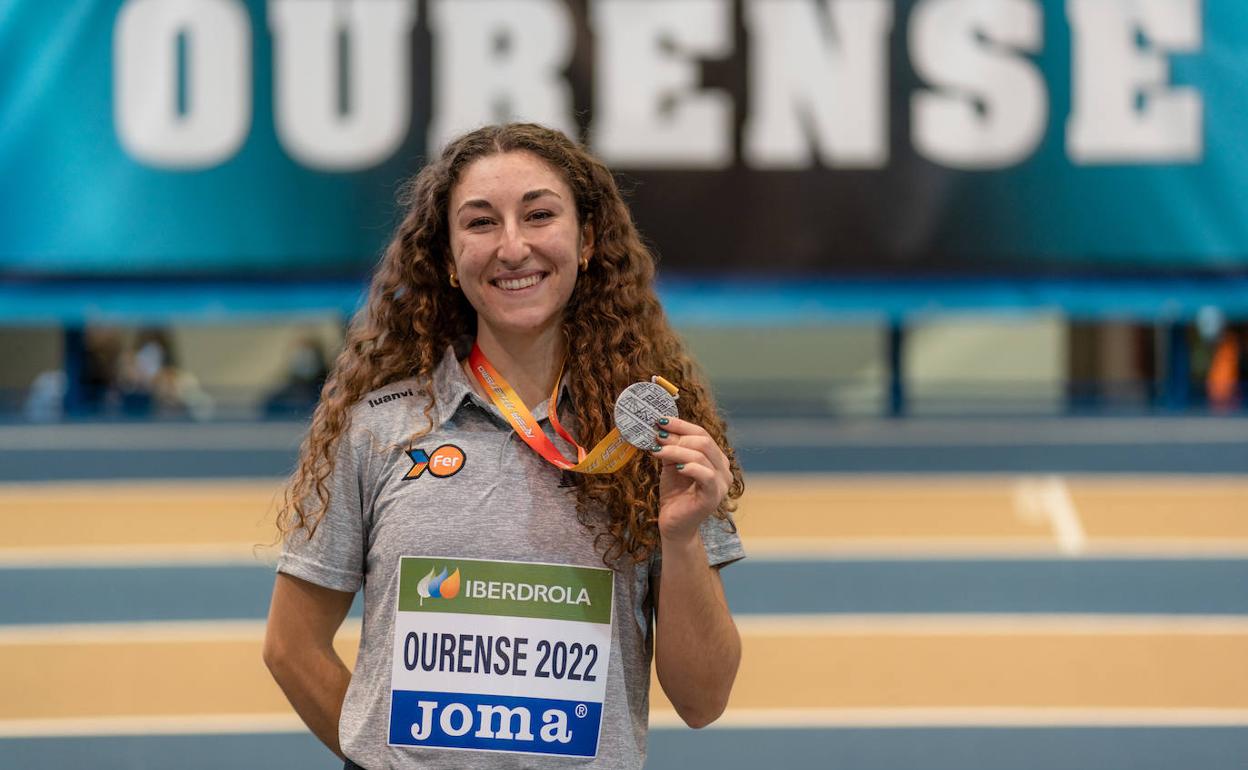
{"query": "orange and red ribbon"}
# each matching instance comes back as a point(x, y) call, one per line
point(607, 456)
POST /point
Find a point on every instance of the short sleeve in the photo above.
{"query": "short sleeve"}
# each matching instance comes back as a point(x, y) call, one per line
point(722, 545)
point(334, 557)
point(721, 541)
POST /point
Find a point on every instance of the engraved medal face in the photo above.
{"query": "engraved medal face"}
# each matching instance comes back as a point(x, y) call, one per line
point(637, 412)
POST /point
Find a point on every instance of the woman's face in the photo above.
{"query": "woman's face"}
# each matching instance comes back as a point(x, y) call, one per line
point(516, 242)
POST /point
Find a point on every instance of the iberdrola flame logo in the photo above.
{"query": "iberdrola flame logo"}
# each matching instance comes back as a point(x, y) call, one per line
point(439, 587)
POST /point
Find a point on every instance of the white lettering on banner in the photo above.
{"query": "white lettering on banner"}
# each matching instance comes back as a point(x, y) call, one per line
point(308, 38)
point(817, 79)
point(1123, 109)
point(991, 106)
point(216, 117)
point(448, 720)
point(819, 75)
point(648, 109)
point(505, 715)
point(499, 60)
point(554, 722)
point(555, 726)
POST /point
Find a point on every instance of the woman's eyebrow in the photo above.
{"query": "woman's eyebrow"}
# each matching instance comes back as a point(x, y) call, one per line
point(475, 203)
point(533, 195)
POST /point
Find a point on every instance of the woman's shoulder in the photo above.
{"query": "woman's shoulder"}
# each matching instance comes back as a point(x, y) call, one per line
point(411, 389)
point(408, 404)
point(394, 400)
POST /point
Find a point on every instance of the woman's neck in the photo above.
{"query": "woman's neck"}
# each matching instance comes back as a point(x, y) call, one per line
point(528, 362)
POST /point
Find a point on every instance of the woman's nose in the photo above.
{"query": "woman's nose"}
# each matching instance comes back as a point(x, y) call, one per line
point(514, 247)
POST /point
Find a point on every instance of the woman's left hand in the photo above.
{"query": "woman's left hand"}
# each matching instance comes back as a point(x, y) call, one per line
point(694, 480)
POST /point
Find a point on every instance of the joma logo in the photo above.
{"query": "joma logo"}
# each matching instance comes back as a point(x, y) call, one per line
point(499, 722)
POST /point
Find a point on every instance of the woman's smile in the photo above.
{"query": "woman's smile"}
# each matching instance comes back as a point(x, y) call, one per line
point(517, 284)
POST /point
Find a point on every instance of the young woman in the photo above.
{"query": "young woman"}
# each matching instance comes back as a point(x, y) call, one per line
point(509, 589)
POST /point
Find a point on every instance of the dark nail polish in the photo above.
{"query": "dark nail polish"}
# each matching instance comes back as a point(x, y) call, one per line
point(662, 434)
point(655, 448)
point(680, 467)
point(663, 421)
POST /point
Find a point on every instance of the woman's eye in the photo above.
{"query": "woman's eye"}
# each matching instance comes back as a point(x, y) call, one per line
point(478, 222)
point(541, 214)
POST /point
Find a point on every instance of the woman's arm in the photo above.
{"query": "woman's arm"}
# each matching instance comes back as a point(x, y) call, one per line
point(299, 651)
point(697, 647)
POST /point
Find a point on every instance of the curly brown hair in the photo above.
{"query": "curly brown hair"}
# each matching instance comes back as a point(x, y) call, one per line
point(614, 330)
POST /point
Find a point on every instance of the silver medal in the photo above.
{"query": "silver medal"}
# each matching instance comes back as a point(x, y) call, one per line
point(637, 413)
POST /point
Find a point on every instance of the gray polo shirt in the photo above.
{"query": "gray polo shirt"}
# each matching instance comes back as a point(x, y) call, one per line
point(493, 633)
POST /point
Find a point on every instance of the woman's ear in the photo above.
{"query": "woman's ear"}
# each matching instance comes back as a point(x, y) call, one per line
point(587, 243)
point(450, 273)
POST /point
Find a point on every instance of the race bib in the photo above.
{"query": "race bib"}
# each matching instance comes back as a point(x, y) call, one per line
point(500, 656)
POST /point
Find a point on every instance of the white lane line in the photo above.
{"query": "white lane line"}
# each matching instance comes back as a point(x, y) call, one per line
point(154, 555)
point(788, 549)
point(1048, 499)
point(138, 632)
point(994, 624)
point(1004, 716)
point(733, 719)
point(1065, 517)
point(151, 632)
point(951, 624)
point(759, 549)
point(155, 724)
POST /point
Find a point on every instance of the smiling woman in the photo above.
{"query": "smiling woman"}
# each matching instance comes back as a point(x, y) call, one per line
point(517, 247)
point(516, 301)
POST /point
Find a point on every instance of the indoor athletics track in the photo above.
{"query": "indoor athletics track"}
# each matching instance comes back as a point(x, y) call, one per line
point(921, 594)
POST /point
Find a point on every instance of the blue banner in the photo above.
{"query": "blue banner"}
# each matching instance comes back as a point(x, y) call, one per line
point(227, 138)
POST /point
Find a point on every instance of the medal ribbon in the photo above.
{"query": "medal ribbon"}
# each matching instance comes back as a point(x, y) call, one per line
point(607, 456)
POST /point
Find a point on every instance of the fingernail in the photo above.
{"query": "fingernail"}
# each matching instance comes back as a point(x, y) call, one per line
point(662, 434)
point(655, 448)
point(662, 421)
point(680, 467)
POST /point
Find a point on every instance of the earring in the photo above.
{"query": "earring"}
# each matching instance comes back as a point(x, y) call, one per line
point(584, 263)
point(454, 279)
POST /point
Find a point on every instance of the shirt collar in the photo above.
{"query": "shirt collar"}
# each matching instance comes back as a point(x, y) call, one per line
point(451, 387)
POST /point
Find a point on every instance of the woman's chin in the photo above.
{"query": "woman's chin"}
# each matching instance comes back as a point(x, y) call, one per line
point(522, 324)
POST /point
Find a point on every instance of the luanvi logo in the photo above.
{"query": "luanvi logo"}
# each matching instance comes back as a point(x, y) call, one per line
point(372, 402)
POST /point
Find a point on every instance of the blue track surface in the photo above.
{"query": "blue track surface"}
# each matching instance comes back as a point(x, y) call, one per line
point(196, 463)
point(1198, 748)
point(1130, 586)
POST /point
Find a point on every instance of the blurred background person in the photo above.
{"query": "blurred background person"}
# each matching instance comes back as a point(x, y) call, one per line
point(1228, 369)
point(304, 376)
point(151, 384)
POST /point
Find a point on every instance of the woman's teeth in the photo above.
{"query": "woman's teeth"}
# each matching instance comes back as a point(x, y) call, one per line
point(514, 284)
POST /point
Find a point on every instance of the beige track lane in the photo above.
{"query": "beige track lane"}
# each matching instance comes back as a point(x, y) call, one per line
point(783, 513)
point(778, 513)
point(1190, 508)
point(873, 508)
point(138, 513)
point(43, 678)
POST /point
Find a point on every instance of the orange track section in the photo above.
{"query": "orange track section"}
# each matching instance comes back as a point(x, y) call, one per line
point(817, 670)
